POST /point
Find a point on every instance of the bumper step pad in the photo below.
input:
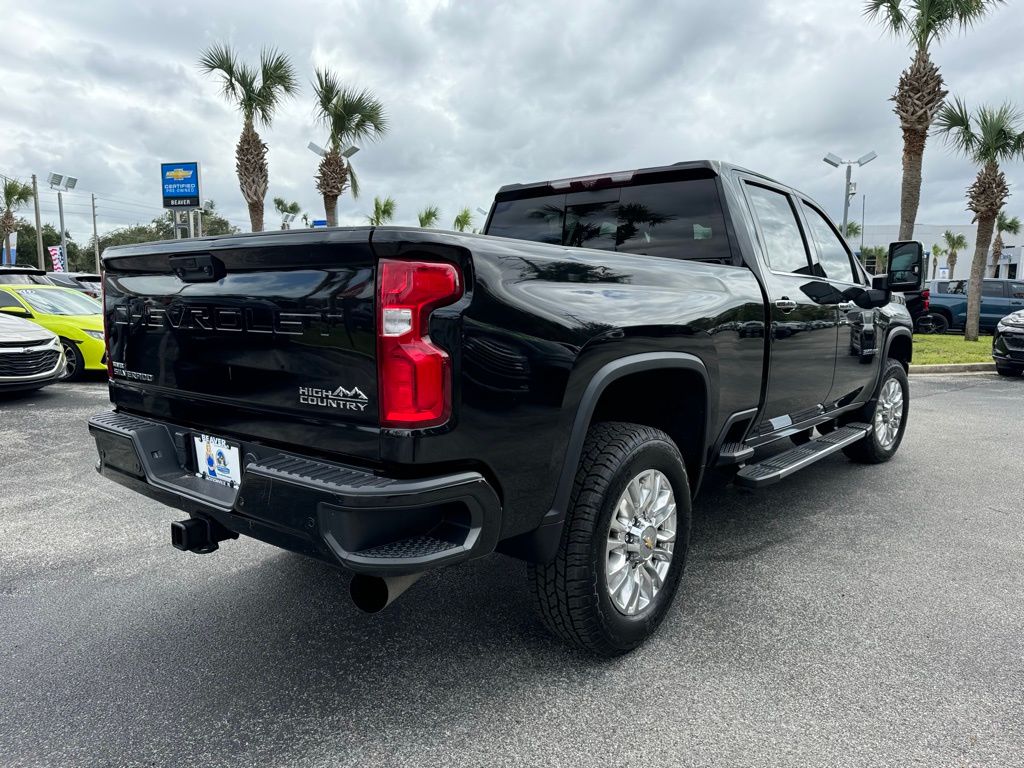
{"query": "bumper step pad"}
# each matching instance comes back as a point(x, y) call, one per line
point(775, 468)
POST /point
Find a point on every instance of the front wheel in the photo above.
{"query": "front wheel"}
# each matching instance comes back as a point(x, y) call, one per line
point(623, 544)
point(888, 418)
point(75, 367)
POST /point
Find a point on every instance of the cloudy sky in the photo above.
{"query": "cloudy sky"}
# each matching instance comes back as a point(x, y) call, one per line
point(484, 93)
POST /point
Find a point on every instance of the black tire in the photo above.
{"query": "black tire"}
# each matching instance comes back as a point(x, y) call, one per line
point(571, 592)
point(939, 324)
point(75, 362)
point(871, 450)
point(1009, 370)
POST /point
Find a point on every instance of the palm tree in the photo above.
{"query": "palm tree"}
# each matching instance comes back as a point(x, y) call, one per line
point(920, 93)
point(257, 91)
point(937, 250)
point(349, 115)
point(955, 242)
point(463, 221)
point(429, 216)
point(989, 137)
point(284, 208)
point(383, 212)
point(852, 230)
point(1003, 224)
point(13, 195)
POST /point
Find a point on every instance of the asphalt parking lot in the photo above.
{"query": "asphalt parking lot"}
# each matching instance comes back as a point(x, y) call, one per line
point(848, 616)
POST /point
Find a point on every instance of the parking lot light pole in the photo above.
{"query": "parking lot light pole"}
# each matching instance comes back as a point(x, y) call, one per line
point(62, 184)
point(848, 190)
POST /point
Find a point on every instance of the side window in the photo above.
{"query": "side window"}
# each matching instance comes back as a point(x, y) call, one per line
point(1017, 290)
point(783, 243)
point(957, 288)
point(6, 300)
point(992, 288)
point(832, 254)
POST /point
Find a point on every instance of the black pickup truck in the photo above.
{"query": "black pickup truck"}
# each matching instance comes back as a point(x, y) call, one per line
point(392, 400)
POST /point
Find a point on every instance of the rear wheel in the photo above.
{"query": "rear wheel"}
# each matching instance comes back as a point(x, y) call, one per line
point(1009, 370)
point(624, 542)
point(888, 418)
point(75, 362)
point(939, 324)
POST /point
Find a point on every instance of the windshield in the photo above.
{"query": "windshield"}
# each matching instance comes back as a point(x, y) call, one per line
point(59, 302)
point(22, 278)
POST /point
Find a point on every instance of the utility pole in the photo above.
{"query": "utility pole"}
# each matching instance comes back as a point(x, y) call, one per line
point(63, 234)
point(846, 198)
point(95, 237)
point(863, 209)
point(39, 226)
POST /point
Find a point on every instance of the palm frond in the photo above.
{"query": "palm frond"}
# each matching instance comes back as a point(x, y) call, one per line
point(990, 135)
point(277, 80)
point(954, 123)
point(924, 22)
point(350, 114)
point(463, 221)
point(1007, 224)
point(353, 181)
point(220, 59)
point(429, 216)
point(14, 194)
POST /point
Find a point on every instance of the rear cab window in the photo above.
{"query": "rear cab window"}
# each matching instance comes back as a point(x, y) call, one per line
point(678, 219)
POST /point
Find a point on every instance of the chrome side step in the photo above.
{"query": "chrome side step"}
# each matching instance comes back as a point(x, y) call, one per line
point(733, 453)
point(775, 468)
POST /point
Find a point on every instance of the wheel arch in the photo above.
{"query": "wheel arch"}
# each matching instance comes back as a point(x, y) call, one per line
point(608, 397)
point(898, 346)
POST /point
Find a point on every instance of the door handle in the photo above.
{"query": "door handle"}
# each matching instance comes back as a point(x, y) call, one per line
point(785, 305)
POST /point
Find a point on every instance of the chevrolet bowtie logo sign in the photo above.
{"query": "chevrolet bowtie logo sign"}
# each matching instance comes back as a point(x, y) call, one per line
point(178, 174)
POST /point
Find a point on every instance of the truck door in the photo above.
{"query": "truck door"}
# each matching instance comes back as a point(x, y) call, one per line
point(857, 343)
point(802, 342)
point(995, 304)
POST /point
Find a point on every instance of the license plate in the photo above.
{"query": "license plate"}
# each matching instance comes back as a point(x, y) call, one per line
point(217, 460)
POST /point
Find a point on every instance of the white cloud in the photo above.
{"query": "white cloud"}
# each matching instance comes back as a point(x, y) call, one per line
point(484, 94)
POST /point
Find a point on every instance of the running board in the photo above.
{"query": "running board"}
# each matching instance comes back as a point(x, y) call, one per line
point(775, 468)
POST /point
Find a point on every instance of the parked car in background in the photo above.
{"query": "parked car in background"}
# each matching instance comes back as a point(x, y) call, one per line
point(30, 356)
point(86, 282)
point(999, 298)
point(74, 317)
point(1008, 345)
point(15, 275)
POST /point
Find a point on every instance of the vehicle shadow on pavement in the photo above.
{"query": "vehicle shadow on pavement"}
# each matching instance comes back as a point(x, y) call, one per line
point(252, 643)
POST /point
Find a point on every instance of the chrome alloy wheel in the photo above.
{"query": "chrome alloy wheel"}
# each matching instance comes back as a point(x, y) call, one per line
point(71, 362)
point(889, 414)
point(641, 537)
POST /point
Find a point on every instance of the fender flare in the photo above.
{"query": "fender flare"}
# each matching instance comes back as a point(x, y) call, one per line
point(541, 544)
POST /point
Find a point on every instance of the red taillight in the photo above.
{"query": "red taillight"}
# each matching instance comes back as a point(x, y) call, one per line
point(414, 376)
point(926, 299)
point(106, 329)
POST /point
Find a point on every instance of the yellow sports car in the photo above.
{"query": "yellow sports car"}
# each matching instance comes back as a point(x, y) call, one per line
point(73, 316)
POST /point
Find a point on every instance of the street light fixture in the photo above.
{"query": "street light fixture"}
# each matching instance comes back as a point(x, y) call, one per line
point(62, 184)
point(316, 149)
point(850, 189)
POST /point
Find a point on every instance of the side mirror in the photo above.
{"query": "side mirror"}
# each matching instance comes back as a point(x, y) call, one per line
point(868, 299)
point(16, 311)
point(906, 266)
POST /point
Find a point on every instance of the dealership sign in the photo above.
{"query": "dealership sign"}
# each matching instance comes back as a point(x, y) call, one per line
point(180, 185)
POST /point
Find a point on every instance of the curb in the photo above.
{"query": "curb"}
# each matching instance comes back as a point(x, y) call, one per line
point(955, 368)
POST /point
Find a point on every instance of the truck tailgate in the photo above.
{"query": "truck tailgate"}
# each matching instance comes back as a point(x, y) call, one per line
point(269, 338)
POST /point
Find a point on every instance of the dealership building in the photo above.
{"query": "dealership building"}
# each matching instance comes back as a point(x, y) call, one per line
point(929, 234)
